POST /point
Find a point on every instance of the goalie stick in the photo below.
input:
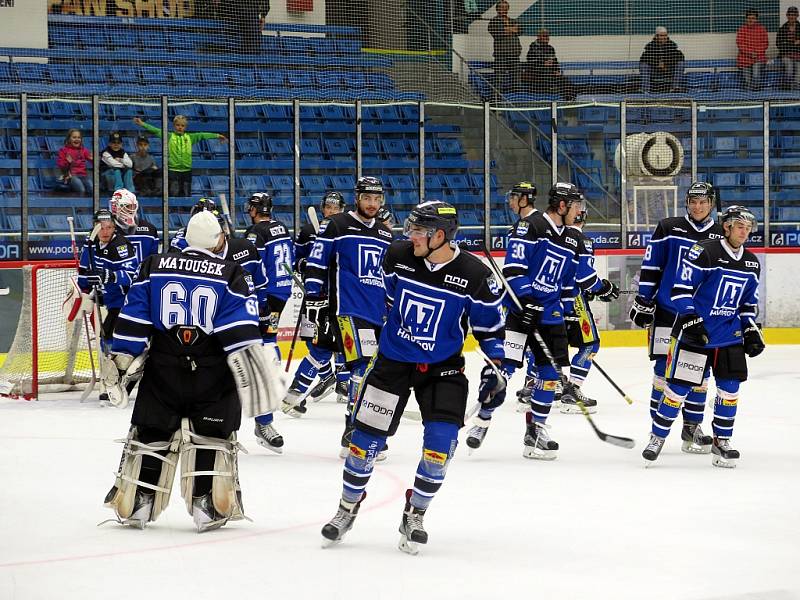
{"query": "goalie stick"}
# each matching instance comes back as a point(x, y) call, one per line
point(98, 297)
point(85, 317)
point(622, 442)
point(223, 201)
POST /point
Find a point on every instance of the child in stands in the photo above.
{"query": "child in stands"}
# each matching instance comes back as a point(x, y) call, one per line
point(72, 160)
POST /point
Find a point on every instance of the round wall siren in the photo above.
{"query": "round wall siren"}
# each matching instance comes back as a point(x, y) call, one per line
point(657, 154)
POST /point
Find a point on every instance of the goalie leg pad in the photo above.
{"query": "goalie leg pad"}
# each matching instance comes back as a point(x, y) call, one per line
point(226, 494)
point(122, 496)
point(260, 381)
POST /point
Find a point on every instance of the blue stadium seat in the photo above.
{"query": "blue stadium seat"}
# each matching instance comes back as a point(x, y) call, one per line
point(348, 46)
point(123, 75)
point(328, 79)
point(277, 112)
point(754, 180)
point(248, 147)
point(450, 146)
point(279, 147)
point(342, 182)
point(355, 80)
point(54, 143)
point(790, 146)
point(219, 183)
point(185, 75)
point(249, 112)
point(723, 180)
point(214, 112)
point(394, 147)
point(200, 184)
point(455, 182)
point(401, 182)
point(312, 183)
point(300, 79)
point(253, 183)
point(283, 183)
point(271, 77)
point(409, 112)
point(308, 113)
point(213, 76)
point(310, 147)
point(468, 217)
point(332, 112)
point(725, 146)
point(61, 74)
point(92, 73)
point(338, 147)
point(387, 114)
point(155, 76)
point(369, 147)
point(294, 45)
point(790, 178)
point(433, 184)
point(218, 148)
point(5, 72)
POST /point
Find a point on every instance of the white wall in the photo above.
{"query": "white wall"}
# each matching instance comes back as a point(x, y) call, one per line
point(23, 24)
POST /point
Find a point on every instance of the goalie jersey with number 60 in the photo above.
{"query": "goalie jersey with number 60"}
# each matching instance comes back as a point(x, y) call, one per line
point(432, 306)
point(192, 288)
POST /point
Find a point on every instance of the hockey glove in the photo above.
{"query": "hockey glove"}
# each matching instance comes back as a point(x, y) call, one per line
point(690, 329)
point(753, 339)
point(643, 311)
point(608, 292)
point(531, 314)
point(317, 313)
point(492, 388)
point(101, 278)
point(113, 378)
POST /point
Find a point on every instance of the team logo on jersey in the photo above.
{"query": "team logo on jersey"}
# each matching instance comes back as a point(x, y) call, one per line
point(694, 252)
point(122, 251)
point(420, 318)
point(494, 286)
point(323, 226)
point(369, 264)
point(456, 281)
point(522, 228)
point(549, 274)
point(728, 296)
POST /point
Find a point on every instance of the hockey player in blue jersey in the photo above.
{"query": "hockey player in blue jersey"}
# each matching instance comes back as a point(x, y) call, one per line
point(106, 267)
point(653, 306)
point(318, 360)
point(436, 292)
point(275, 246)
point(540, 265)
point(142, 234)
point(345, 294)
point(199, 316)
point(716, 298)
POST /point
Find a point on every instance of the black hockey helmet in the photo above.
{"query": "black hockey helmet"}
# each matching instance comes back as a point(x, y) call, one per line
point(368, 185)
point(103, 214)
point(565, 191)
point(433, 215)
point(701, 188)
point(261, 202)
point(201, 205)
point(738, 213)
point(524, 190)
point(332, 199)
point(384, 214)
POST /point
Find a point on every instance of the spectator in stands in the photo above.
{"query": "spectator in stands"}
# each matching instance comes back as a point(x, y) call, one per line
point(507, 47)
point(544, 72)
point(661, 65)
point(243, 21)
point(72, 160)
point(752, 42)
point(788, 43)
point(146, 174)
point(117, 167)
point(180, 145)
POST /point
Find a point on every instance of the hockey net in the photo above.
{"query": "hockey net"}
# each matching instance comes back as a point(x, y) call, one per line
point(47, 354)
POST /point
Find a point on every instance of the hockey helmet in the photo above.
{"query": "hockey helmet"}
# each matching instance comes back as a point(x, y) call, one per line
point(261, 202)
point(124, 207)
point(332, 199)
point(103, 214)
point(563, 191)
point(523, 190)
point(739, 213)
point(701, 188)
point(203, 204)
point(433, 215)
point(369, 185)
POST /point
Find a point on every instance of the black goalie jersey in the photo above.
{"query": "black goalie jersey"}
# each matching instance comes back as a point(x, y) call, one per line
point(432, 306)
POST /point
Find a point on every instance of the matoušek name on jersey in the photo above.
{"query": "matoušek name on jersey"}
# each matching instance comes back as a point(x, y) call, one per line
point(191, 264)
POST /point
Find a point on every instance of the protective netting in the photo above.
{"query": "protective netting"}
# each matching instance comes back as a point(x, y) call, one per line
point(48, 353)
point(442, 50)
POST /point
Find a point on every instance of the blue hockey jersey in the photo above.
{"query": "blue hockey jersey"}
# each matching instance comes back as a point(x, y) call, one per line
point(670, 242)
point(721, 285)
point(304, 241)
point(117, 255)
point(191, 288)
point(586, 276)
point(345, 263)
point(275, 246)
point(433, 306)
point(144, 238)
point(541, 262)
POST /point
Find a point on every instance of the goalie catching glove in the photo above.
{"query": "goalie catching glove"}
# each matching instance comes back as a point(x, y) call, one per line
point(115, 374)
point(260, 381)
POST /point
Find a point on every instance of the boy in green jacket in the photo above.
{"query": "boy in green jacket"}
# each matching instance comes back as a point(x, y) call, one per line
point(180, 152)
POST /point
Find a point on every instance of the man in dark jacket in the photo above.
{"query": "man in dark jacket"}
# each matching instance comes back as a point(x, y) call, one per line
point(543, 70)
point(661, 65)
point(788, 42)
point(507, 47)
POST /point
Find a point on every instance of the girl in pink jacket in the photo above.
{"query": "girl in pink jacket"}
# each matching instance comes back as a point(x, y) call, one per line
point(72, 160)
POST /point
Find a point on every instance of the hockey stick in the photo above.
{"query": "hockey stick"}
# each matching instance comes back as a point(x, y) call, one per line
point(612, 382)
point(98, 297)
point(312, 218)
point(93, 382)
point(300, 313)
point(622, 442)
point(223, 201)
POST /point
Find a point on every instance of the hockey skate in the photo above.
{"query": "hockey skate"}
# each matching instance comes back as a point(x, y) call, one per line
point(537, 443)
point(722, 455)
point(333, 531)
point(477, 433)
point(292, 404)
point(268, 437)
point(653, 448)
point(204, 514)
point(412, 531)
point(342, 395)
point(524, 395)
point(142, 508)
point(694, 440)
point(323, 388)
point(570, 397)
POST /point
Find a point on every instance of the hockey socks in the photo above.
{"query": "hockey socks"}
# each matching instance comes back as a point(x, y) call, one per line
point(358, 466)
point(438, 445)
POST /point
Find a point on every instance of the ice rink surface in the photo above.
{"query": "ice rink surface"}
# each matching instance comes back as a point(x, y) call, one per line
point(592, 524)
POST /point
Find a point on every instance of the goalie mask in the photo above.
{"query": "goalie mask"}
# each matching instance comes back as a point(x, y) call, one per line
point(124, 207)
